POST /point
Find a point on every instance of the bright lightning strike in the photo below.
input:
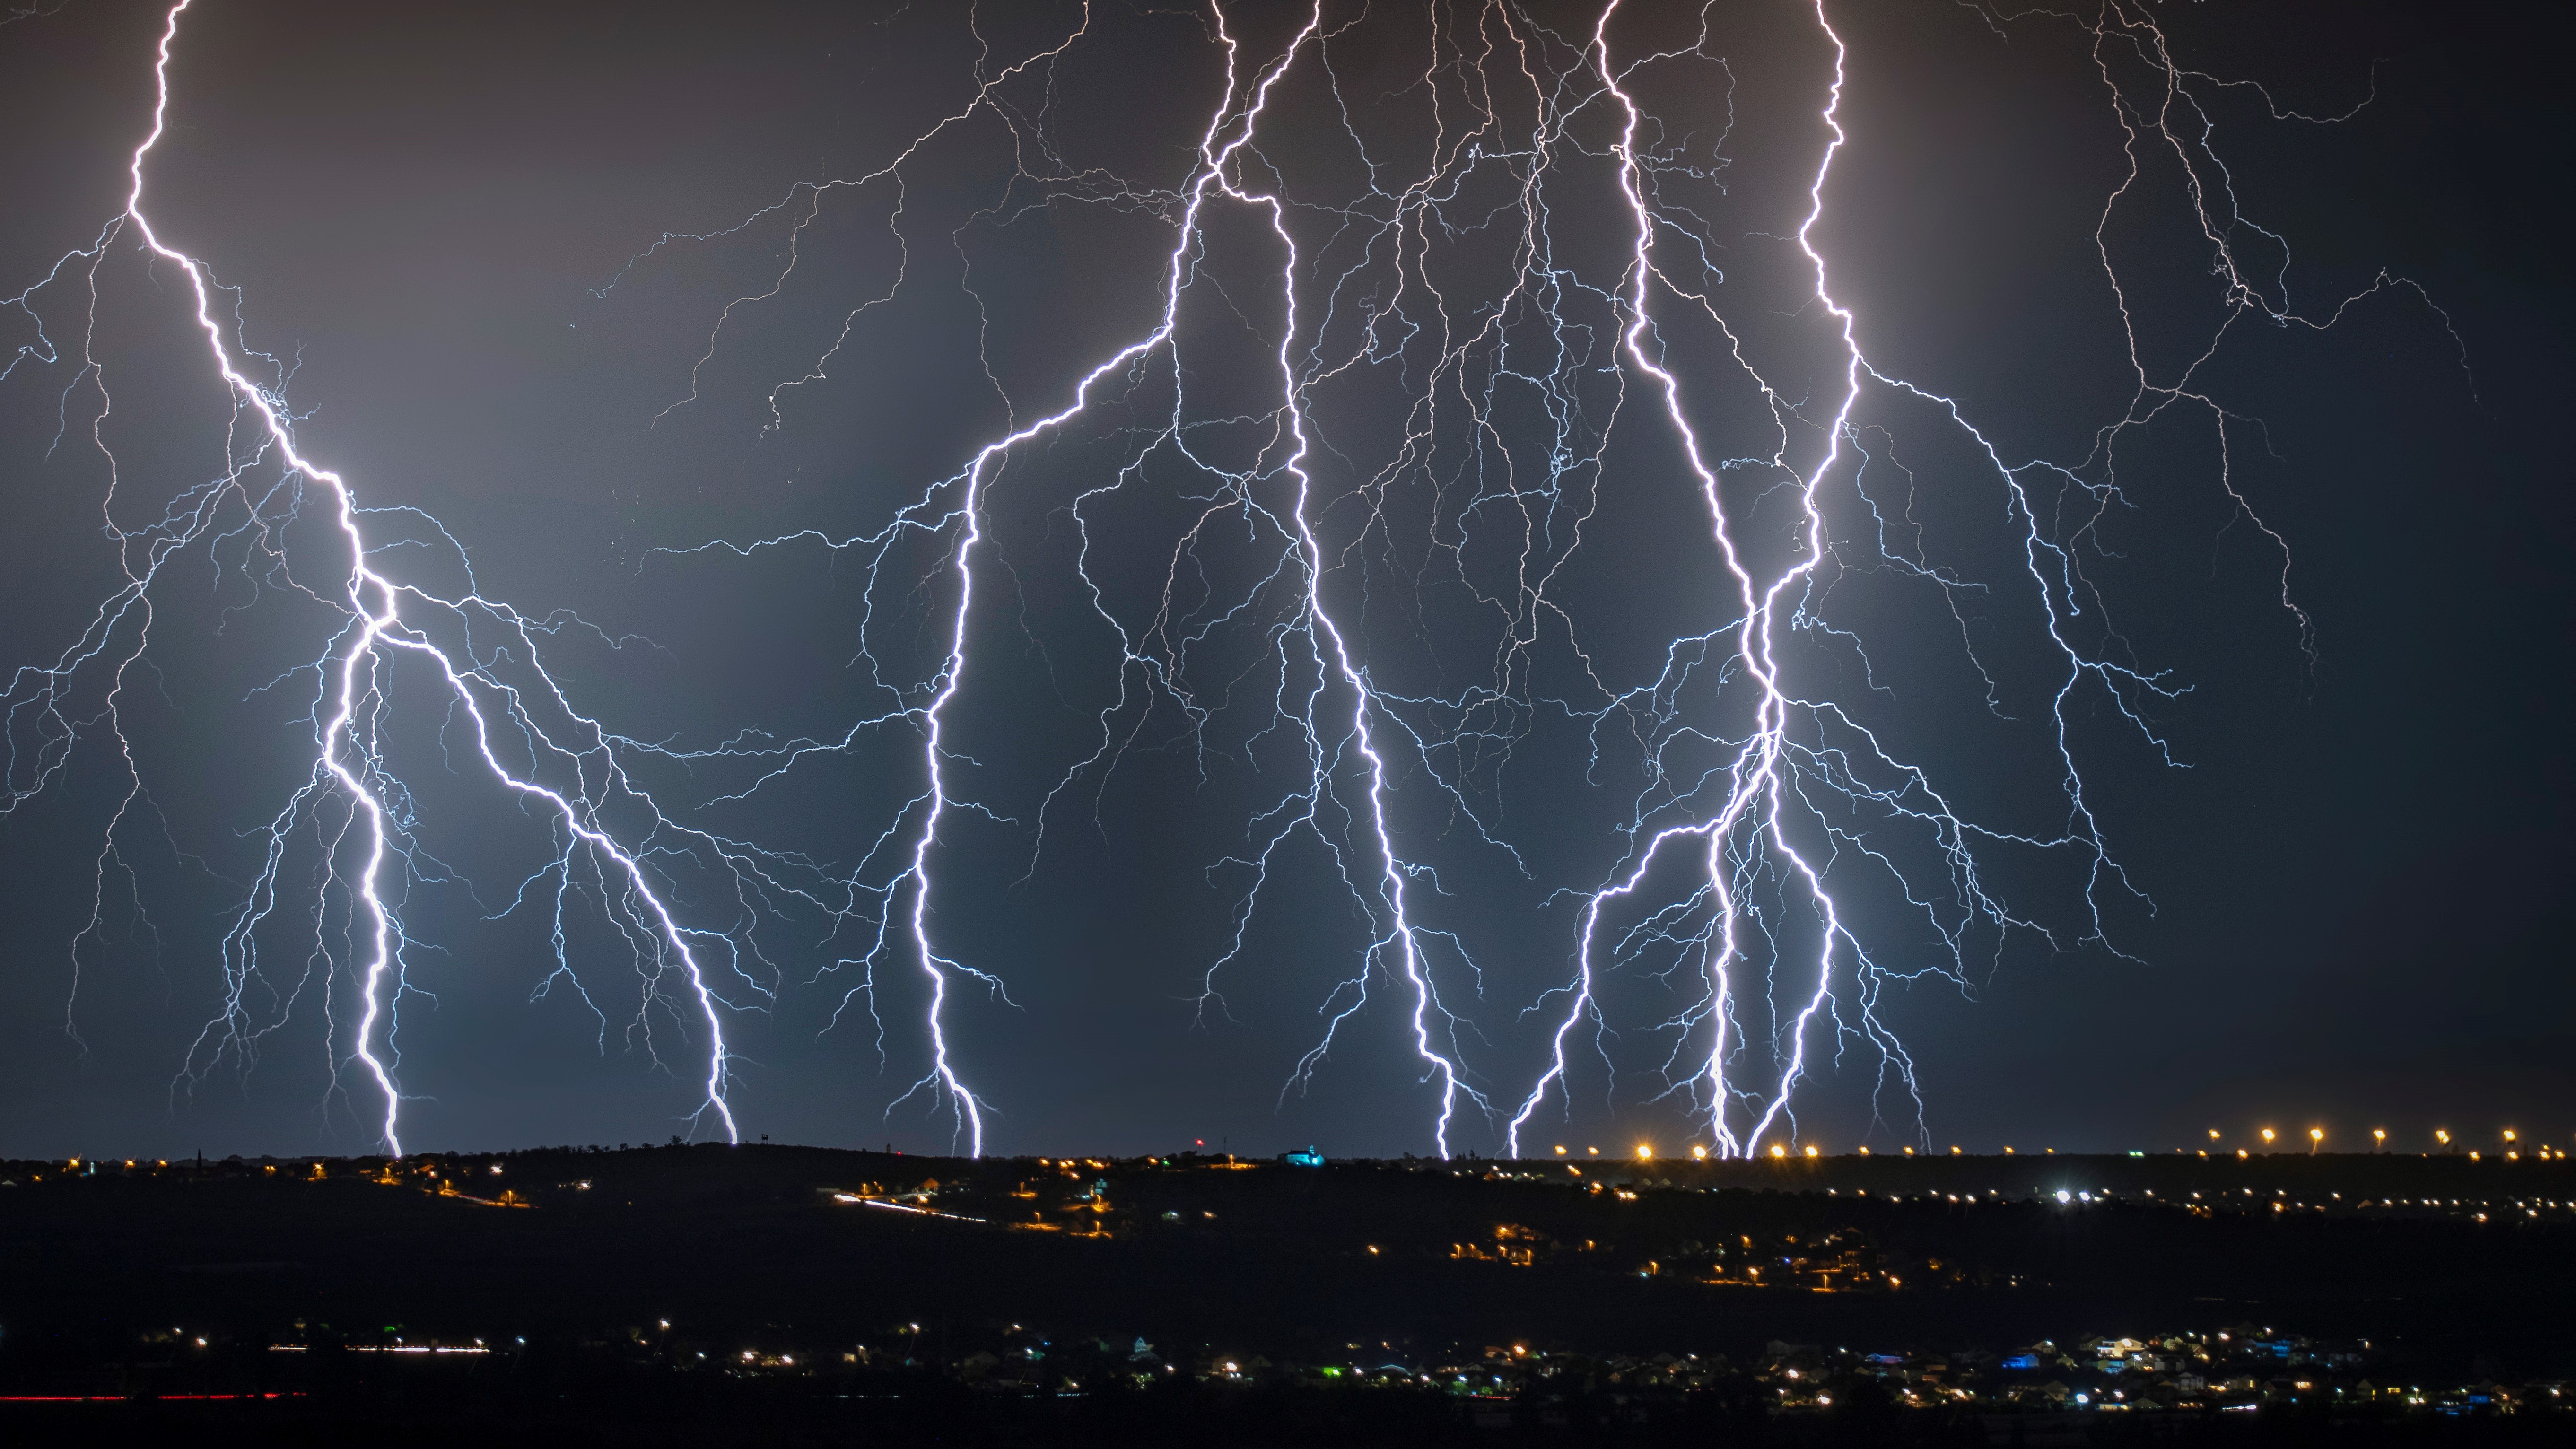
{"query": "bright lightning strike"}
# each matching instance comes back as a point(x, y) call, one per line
point(356, 692)
point(1383, 542)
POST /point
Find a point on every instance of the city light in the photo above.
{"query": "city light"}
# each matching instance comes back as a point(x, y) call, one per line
point(1799, 1268)
point(1645, 1152)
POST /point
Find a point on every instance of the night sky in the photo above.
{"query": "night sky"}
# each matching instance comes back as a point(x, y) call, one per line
point(2351, 901)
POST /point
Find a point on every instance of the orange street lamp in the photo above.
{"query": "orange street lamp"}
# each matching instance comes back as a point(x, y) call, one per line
point(2316, 1139)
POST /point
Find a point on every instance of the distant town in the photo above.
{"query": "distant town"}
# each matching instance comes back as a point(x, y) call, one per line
point(2024, 1295)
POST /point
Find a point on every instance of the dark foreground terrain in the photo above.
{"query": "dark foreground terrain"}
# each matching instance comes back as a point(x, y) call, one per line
point(773, 1294)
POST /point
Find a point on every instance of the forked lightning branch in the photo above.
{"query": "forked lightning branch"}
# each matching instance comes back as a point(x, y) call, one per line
point(1767, 809)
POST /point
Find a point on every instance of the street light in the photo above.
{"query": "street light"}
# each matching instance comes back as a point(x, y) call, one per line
point(2267, 1136)
point(2316, 1139)
point(2379, 1137)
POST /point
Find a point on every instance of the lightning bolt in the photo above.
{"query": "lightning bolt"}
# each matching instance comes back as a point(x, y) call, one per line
point(1229, 131)
point(1766, 820)
point(355, 677)
point(1351, 555)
